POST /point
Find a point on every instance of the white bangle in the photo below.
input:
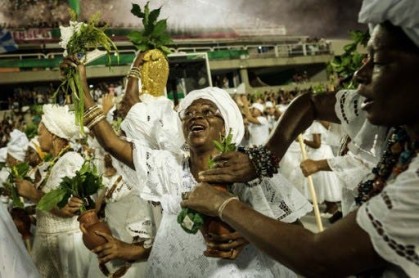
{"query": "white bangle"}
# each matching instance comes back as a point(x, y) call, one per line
point(224, 204)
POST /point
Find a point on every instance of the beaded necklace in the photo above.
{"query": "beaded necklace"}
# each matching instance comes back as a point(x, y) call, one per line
point(395, 160)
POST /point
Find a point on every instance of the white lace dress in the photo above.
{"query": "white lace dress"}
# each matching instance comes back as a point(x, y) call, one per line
point(391, 219)
point(58, 249)
point(176, 253)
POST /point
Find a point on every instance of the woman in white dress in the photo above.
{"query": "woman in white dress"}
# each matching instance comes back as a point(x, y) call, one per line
point(58, 249)
point(165, 175)
point(327, 185)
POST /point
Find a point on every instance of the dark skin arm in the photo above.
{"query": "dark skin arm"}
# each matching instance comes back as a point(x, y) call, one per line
point(315, 143)
point(307, 253)
point(111, 142)
point(298, 117)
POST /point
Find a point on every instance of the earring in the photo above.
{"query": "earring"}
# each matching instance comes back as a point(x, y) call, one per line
point(185, 147)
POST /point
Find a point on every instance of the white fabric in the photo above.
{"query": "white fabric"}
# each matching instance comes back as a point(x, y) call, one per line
point(58, 249)
point(60, 121)
point(154, 121)
point(130, 220)
point(269, 104)
point(350, 170)
point(258, 106)
point(259, 133)
point(391, 219)
point(228, 108)
point(176, 253)
point(402, 13)
point(3, 154)
point(18, 144)
point(15, 261)
point(327, 186)
point(34, 143)
point(367, 140)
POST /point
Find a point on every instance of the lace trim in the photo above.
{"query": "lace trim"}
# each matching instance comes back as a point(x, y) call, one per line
point(405, 251)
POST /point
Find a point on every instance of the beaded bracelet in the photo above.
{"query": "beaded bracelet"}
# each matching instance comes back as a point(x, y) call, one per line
point(265, 163)
point(223, 206)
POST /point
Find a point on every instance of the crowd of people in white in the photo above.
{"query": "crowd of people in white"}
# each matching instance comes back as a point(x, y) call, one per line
point(157, 161)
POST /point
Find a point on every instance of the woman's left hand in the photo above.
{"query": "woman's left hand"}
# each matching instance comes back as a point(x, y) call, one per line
point(226, 246)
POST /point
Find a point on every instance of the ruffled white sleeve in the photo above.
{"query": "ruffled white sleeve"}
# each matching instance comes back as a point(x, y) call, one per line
point(367, 140)
point(159, 173)
point(276, 198)
point(391, 219)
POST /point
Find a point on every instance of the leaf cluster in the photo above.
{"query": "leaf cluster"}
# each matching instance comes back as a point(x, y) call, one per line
point(351, 60)
point(154, 35)
point(18, 171)
point(224, 145)
point(85, 183)
point(89, 37)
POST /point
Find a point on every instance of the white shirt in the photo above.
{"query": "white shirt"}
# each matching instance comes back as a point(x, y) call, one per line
point(259, 133)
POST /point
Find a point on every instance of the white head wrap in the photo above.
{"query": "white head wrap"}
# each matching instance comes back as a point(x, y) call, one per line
point(269, 104)
point(18, 144)
point(258, 106)
point(3, 154)
point(61, 122)
point(402, 13)
point(228, 108)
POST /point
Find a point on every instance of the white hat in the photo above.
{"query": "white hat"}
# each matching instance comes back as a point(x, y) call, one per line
point(18, 144)
point(258, 106)
point(60, 121)
point(34, 144)
point(269, 104)
point(402, 13)
point(228, 108)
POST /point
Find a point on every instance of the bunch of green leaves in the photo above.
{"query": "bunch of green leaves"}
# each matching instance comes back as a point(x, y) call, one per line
point(31, 130)
point(154, 35)
point(351, 60)
point(88, 38)
point(83, 185)
point(190, 220)
point(18, 171)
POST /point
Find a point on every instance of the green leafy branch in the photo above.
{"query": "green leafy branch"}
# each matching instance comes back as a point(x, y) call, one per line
point(85, 183)
point(154, 35)
point(351, 60)
point(190, 220)
point(18, 171)
point(87, 38)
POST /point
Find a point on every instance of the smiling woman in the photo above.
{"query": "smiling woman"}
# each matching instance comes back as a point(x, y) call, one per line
point(163, 172)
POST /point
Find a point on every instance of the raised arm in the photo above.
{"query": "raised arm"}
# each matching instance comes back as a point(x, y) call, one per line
point(103, 131)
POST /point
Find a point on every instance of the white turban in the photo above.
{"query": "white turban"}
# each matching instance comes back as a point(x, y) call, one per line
point(18, 144)
point(60, 122)
point(258, 106)
point(402, 13)
point(3, 154)
point(229, 110)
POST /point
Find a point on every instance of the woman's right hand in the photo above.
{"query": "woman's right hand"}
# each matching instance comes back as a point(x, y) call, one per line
point(72, 207)
point(309, 167)
point(205, 199)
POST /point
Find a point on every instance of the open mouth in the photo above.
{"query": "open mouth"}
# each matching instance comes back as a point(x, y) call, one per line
point(196, 128)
